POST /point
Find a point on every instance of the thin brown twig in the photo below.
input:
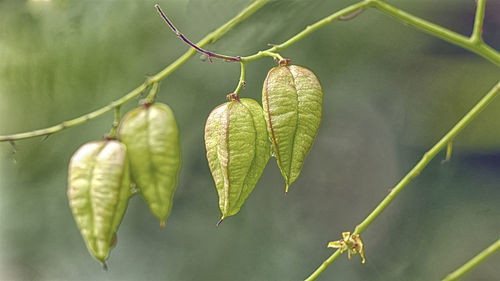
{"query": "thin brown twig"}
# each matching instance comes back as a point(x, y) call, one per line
point(183, 38)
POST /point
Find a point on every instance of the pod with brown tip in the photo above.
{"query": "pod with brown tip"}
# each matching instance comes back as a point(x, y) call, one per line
point(238, 150)
point(292, 99)
point(151, 135)
point(98, 193)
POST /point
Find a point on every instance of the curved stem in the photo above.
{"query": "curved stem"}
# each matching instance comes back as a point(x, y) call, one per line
point(210, 38)
point(473, 262)
point(428, 156)
point(241, 82)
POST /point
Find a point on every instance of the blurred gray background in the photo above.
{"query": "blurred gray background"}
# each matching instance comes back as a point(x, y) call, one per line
point(390, 93)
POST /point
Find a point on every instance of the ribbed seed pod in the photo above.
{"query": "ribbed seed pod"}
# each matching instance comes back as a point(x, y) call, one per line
point(292, 99)
point(238, 149)
point(98, 192)
point(152, 138)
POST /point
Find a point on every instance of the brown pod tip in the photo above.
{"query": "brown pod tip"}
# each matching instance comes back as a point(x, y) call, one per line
point(220, 221)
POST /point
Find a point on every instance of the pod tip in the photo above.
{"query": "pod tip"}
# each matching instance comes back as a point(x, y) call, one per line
point(220, 221)
point(162, 223)
point(286, 189)
point(104, 266)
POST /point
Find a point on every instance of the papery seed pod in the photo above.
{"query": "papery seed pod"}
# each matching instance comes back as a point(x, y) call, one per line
point(238, 149)
point(152, 138)
point(292, 99)
point(98, 192)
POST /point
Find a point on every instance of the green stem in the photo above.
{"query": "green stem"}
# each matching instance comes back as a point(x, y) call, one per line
point(308, 30)
point(477, 31)
point(473, 262)
point(323, 266)
point(470, 44)
point(116, 122)
point(152, 93)
point(428, 156)
point(210, 38)
point(241, 82)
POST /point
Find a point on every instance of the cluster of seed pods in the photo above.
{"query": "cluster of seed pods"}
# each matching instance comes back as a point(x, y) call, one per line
point(101, 173)
point(240, 138)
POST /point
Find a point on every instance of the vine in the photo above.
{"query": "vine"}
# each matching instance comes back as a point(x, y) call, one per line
point(473, 43)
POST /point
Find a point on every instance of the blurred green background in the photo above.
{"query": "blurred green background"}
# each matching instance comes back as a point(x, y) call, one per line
point(390, 93)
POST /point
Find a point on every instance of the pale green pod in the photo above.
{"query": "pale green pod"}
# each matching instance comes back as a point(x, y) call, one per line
point(98, 192)
point(238, 149)
point(151, 135)
point(292, 99)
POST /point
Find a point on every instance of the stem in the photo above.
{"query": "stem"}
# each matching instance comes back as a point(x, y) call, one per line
point(116, 122)
point(470, 44)
point(323, 266)
point(473, 262)
point(210, 38)
point(428, 156)
point(183, 38)
point(477, 31)
point(241, 83)
point(309, 29)
point(152, 93)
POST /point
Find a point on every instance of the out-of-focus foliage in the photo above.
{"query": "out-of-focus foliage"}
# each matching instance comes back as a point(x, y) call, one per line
point(390, 92)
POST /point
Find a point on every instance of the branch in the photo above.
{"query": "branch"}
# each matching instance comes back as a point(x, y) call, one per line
point(428, 156)
point(210, 38)
point(473, 262)
point(480, 48)
point(310, 29)
point(468, 43)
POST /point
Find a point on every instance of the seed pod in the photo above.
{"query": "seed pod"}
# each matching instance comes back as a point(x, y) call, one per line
point(292, 99)
point(98, 192)
point(152, 139)
point(237, 151)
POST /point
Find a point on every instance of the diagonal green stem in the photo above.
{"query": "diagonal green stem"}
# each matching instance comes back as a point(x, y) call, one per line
point(473, 262)
point(210, 38)
point(428, 156)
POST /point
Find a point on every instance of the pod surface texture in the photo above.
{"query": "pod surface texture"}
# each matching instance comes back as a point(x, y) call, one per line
point(152, 139)
point(292, 99)
point(98, 192)
point(238, 150)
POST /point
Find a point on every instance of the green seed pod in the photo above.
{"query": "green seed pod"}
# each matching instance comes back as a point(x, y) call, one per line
point(237, 151)
point(152, 139)
point(98, 192)
point(292, 99)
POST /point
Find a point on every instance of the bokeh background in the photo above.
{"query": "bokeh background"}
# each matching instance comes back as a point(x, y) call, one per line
point(390, 93)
